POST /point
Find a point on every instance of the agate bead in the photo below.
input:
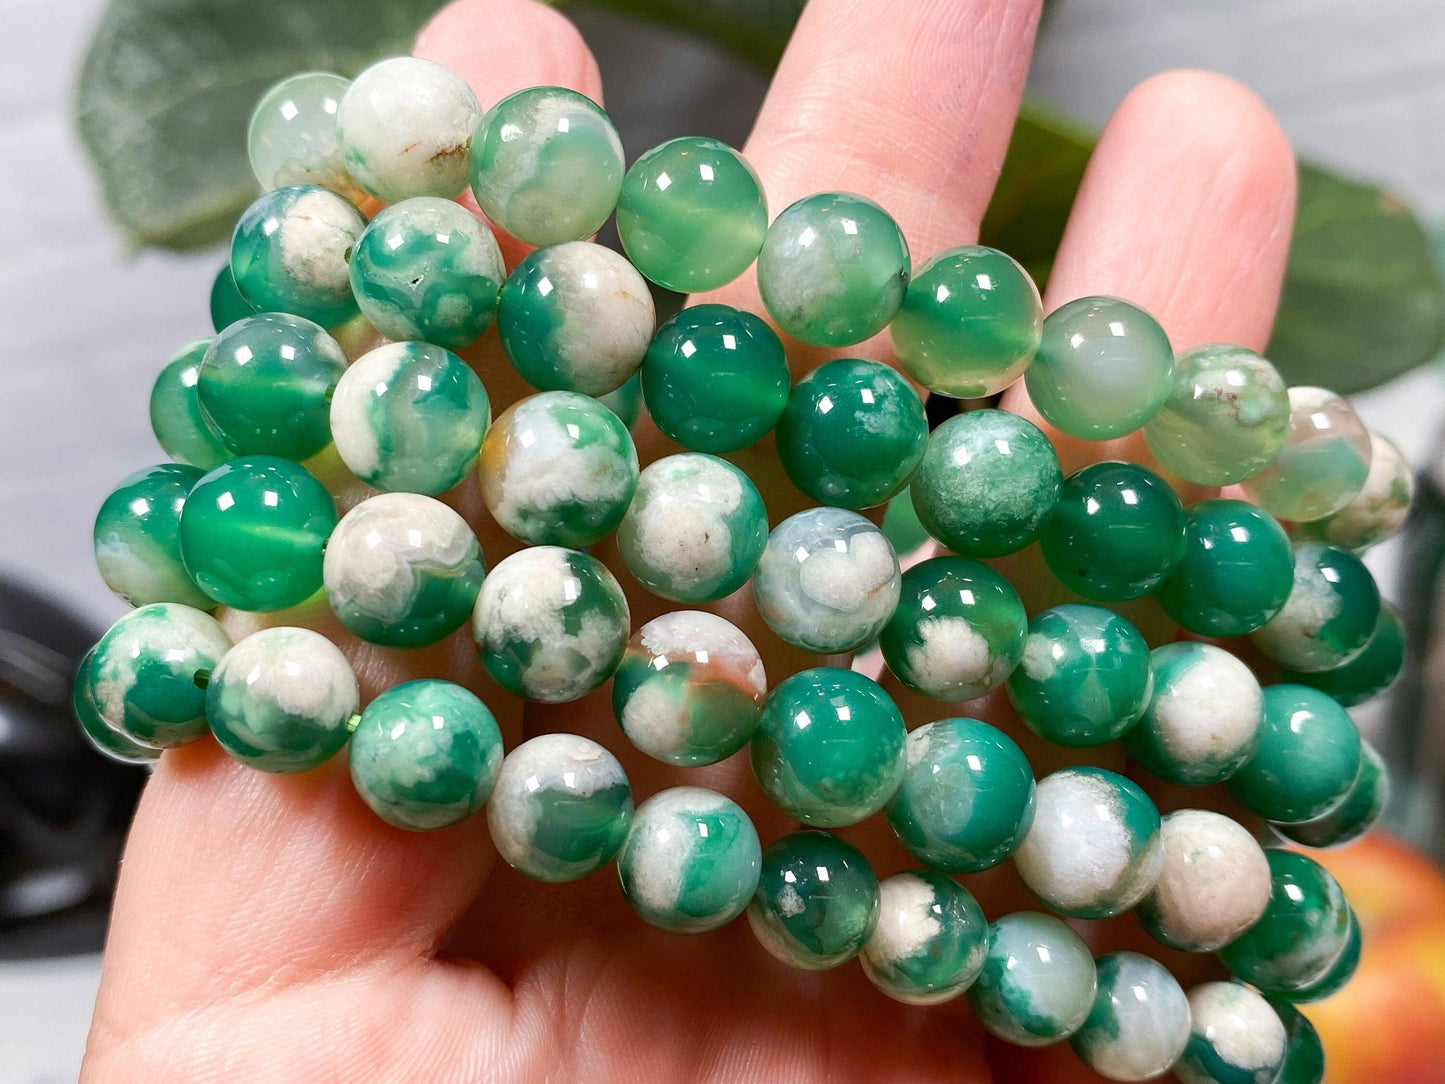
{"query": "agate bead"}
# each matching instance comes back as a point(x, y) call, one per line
point(1368, 672)
point(1359, 811)
point(1377, 511)
point(103, 738)
point(1235, 1037)
point(137, 537)
point(1038, 982)
point(292, 137)
point(1331, 611)
point(290, 250)
point(227, 304)
point(180, 428)
point(1304, 1059)
point(1307, 759)
point(1324, 463)
point(816, 902)
point(1139, 1023)
point(931, 939)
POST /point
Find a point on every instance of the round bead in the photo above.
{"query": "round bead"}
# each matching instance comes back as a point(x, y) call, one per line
point(930, 941)
point(1369, 671)
point(690, 688)
point(1331, 611)
point(558, 468)
point(1225, 418)
point(1139, 1023)
point(103, 738)
point(1324, 462)
point(546, 165)
point(282, 700)
point(1084, 679)
point(625, 402)
point(227, 304)
point(176, 419)
point(816, 903)
point(1362, 807)
point(292, 135)
point(695, 529)
point(1093, 849)
point(289, 253)
point(828, 580)
point(833, 269)
point(561, 807)
point(1377, 511)
point(252, 533)
point(1307, 760)
point(1304, 1059)
point(1339, 973)
point(691, 860)
point(987, 483)
point(1234, 1037)
point(692, 214)
point(1037, 983)
point(852, 433)
point(137, 538)
point(967, 796)
point(576, 317)
point(715, 379)
point(550, 624)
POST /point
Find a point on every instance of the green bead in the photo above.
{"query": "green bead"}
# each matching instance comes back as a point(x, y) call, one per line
point(1307, 760)
point(1377, 511)
point(816, 903)
point(1117, 533)
point(692, 214)
point(852, 433)
point(1331, 611)
point(988, 482)
point(292, 136)
point(1363, 806)
point(137, 538)
point(1324, 463)
point(1304, 1059)
point(958, 630)
point(1139, 1023)
point(103, 738)
point(425, 754)
point(289, 253)
point(1236, 571)
point(1225, 418)
point(1369, 671)
point(970, 322)
point(691, 860)
point(1235, 1037)
point(1037, 983)
point(930, 941)
point(715, 379)
point(1103, 368)
point(546, 165)
point(1340, 972)
point(265, 383)
point(227, 304)
point(626, 401)
point(252, 532)
point(176, 419)
point(967, 796)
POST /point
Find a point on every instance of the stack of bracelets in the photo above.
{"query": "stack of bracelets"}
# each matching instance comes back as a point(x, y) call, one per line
point(236, 520)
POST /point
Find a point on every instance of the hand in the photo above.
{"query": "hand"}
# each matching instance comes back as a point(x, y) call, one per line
point(274, 928)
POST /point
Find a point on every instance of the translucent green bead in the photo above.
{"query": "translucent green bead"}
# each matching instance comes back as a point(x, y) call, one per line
point(137, 538)
point(292, 135)
point(1369, 671)
point(1377, 511)
point(289, 253)
point(1307, 760)
point(176, 419)
point(816, 903)
point(970, 322)
point(692, 214)
point(252, 532)
point(930, 941)
point(852, 433)
point(1037, 983)
point(1103, 368)
point(1339, 973)
point(265, 382)
point(1324, 463)
point(1084, 678)
point(1139, 1023)
point(1236, 572)
point(958, 630)
point(103, 738)
point(427, 269)
point(829, 747)
point(1360, 810)
point(988, 482)
point(546, 165)
point(715, 379)
point(1331, 611)
point(1235, 1037)
point(425, 755)
point(227, 304)
point(833, 269)
point(1304, 1060)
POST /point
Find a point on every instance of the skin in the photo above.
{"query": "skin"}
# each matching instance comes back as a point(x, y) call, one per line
point(318, 943)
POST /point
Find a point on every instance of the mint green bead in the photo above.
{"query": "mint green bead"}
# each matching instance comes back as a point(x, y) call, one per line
point(292, 136)
point(227, 304)
point(103, 738)
point(252, 532)
point(988, 482)
point(1236, 572)
point(1037, 983)
point(1103, 368)
point(176, 419)
point(425, 755)
point(1360, 810)
point(816, 902)
point(967, 796)
point(715, 379)
point(265, 382)
point(1307, 760)
point(1368, 672)
point(692, 214)
point(1339, 974)
point(1235, 1037)
point(1304, 1060)
point(1330, 614)
point(970, 322)
point(852, 433)
point(833, 269)
point(289, 253)
point(930, 941)
point(1377, 511)
point(1324, 463)
point(1139, 1023)
point(137, 538)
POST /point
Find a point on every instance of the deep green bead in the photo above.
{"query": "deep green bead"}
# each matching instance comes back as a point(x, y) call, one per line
point(1330, 614)
point(1037, 984)
point(252, 533)
point(626, 401)
point(1363, 806)
point(137, 537)
point(1236, 571)
point(227, 304)
point(1139, 1023)
point(1235, 1037)
point(181, 429)
point(1307, 760)
point(817, 901)
point(852, 433)
point(1324, 463)
point(1304, 1059)
point(930, 941)
point(103, 738)
point(1339, 974)
point(289, 253)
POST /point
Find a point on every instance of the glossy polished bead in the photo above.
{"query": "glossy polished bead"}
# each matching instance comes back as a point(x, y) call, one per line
point(692, 214)
point(1304, 1059)
point(1324, 462)
point(967, 796)
point(1139, 1023)
point(691, 861)
point(550, 624)
point(561, 807)
point(690, 688)
point(1225, 418)
point(137, 538)
point(987, 483)
point(292, 135)
point(852, 433)
point(176, 419)
point(1307, 760)
point(103, 738)
point(715, 379)
point(546, 165)
point(1377, 511)
point(1037, 984)
point(1363, 806)
point(1368, 672)
point(1117, 532)
point(827, 581)
point(625, 402)
point(931, 939)
point(1084, 678)
point(958, 630)
point(1236, 571)
point(816, 903)
point(558, 468)
point(289, 253)
point(1331, 611)
point(1339, 973)
point(227, 304)
point(282, 700)
point(1235, 1037)
point(252, 532)
point(1094, 848)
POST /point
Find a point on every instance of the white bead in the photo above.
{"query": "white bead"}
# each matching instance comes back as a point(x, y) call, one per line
point(1214, 883)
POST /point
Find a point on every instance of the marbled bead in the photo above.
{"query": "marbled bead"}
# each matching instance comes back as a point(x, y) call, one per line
point(1368, 672)
point(816, 902)
point(292, 138)
point(176, 419)
point(1377, 511)
point(1139, 1023)
point(1235, 1037)
point(1331, 611)
point(227, 304)
point(561, 807)
point(1236, 571)
point(103, 738)
point(1307, 759)
point(1338, 975)
point(1304, 1059)
point(1324, 462)
point(931, 939)
point(1360, 810)
point(289, 253)
point(137, 537)
point(691, 860)
point(1037, 984)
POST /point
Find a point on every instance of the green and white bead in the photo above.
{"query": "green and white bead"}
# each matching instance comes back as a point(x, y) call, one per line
point(1338, 975)
point(1235, 1037)
point(1037, 984)
point(1363, 806)
point(1139, 1024)
point(138, 541)
point(1377, 511)
point(292, 135)
point(103, 738)
point(1368, 672)
point(180, 428)
point(930, 941)
point(290, 250)
point(816, 903)
point(1324, 463)
point(1307, 759)
point(1330, 614)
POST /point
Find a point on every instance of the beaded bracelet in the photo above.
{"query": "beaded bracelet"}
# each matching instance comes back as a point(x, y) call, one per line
point(236, 520)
